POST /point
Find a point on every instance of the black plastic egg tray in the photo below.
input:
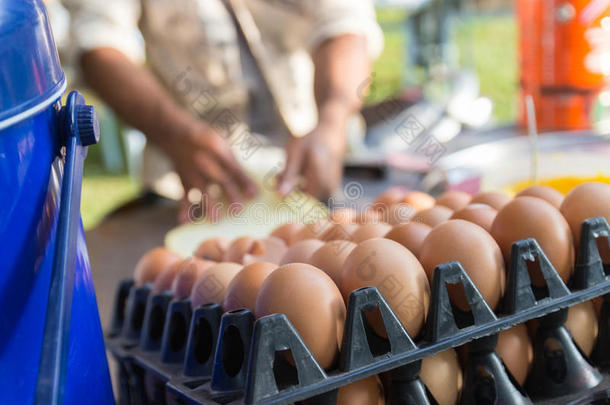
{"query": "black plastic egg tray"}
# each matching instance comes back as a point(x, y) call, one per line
point(168, 353)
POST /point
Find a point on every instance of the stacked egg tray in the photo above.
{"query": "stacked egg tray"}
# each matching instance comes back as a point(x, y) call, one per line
point(169, 353)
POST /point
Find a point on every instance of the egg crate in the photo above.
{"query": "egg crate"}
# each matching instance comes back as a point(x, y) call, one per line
point(169, 353)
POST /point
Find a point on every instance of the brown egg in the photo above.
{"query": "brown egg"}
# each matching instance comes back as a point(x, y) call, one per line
point(410, 235)
point(477, 252)
point(495, 199)
point(391, 196)
point(370, 217)
point(454, 200)
point(246, 250)
point(531, 217)
point(338, 231)
point(269, 249)
point(238, 249)
point(190, 269)
point(399, 214)
point(582, 324)
point(398, 276)
point(287, 232)
point(433, 216)
point(301, 251)
point(152, 264)
point(419, 200)
point(442, 375)
point(212, 249)
point(312, 302)
point(212, 283)
point(370, 231)
point(331, 256)
point(515, 348)
point(343, 215)
point(588, 200)
point(480, 214)
point(164, 281)
point(312, 230)
point(243, 289)
point(368, 391)
point(548, 194)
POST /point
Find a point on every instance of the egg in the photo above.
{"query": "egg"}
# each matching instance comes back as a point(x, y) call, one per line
point(419, 200)
point(442, 375)
point(152, 263)
point(480, 214)
point(477, 252)
point(582, 324)
point(495, 199)
point(269, 249)
point(454, 200)
point(312, 231)
point(164, 281)
point(516, 350)
point(238, 249)
point(212, 283)
point(212, 249)
point(399, 214)
point(343, 215)
point(531, 217)
point(548, 194)
point(398, 276)
point(389, 197)
point(245, 250)
point(410, 235)
point(368, 391)
point(188, 272)
point(370, 217)
point(331, 256)
point(370, 231)
point(338, 231)
point(287, 232)
point(312, 302)
point(433, 216)
point(588, 200)
point(301, 251)
point(243, 289)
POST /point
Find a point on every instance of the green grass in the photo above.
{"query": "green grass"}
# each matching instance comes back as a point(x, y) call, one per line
point(487, 45)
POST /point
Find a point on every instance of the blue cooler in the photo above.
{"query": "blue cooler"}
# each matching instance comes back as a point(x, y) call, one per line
point(51, 343)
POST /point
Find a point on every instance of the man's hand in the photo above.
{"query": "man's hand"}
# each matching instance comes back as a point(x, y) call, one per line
point(202, 157)
point(342, 66)
point(315, 162)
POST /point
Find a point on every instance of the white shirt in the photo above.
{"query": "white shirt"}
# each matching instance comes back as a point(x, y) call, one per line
point(193, 46)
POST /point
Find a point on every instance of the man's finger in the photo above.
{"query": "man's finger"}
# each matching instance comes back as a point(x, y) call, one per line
point(288, 179)
point(228, 160)
point(217, 174)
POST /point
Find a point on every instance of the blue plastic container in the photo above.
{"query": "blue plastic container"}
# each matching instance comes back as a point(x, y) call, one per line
point(51, 342)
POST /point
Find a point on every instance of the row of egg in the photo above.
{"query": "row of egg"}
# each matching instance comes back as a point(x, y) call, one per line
point(307, 271)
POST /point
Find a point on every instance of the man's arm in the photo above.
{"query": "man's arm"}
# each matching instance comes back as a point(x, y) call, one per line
point(200, 155)
point(342, 69)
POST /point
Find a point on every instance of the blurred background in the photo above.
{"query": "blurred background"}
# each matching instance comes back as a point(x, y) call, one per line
point(480, 37)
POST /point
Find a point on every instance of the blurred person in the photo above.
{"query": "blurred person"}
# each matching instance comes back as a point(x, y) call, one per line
point(196, 75)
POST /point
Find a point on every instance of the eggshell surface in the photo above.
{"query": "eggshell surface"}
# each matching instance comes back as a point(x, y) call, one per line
point(212, 283)
point(410, 235)
point(243, 288)
point(531, 217)
point(398, 276)
point(312, 302)
point(477, 252)
point(153, 263)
